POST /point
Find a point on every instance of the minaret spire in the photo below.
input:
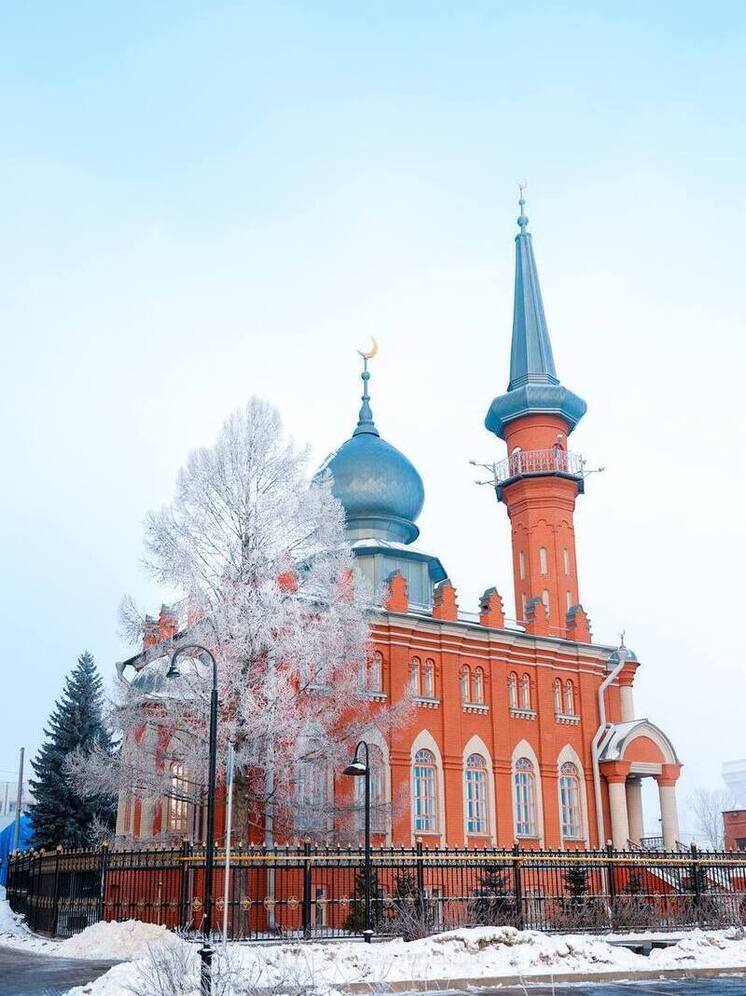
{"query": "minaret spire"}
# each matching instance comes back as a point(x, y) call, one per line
point(365, 423)
point(534, 386)
point(531, 359)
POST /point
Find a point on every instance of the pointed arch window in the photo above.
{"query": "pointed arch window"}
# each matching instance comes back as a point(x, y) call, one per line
point(476, 794)
point(522, 565)
point(525, 692)
point(375, 673)
point(477, 687)
point(569, 698)
point(513, 690)
point(543, 561)
point(524, 798)
point(465, 680)
point(557, 696)
point(177, 801)
point(424, 794)
point(428, 680)
point(378, 808)
point(414, 675)
point(571, 816)
point(311, 795)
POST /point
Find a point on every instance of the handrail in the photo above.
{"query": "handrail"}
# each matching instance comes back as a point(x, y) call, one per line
point(552, 461)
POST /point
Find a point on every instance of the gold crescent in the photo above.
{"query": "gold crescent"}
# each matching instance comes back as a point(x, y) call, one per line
point(371, 352)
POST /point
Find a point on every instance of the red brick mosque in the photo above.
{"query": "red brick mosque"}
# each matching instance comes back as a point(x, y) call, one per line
point(523, 731)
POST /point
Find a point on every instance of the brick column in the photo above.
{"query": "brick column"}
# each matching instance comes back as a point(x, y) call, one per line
point(634, 810)
point(616, 773)
point(669, 813)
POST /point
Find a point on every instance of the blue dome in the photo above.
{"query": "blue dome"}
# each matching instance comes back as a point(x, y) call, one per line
point(380, 490)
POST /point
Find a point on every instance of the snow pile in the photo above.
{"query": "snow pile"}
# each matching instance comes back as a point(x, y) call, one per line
point(476, 953)
point(14, 932)
point(117, 941)
point(706, 949)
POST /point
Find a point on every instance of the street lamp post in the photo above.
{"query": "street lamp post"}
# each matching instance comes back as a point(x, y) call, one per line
point(361, 769)
point(206, 951)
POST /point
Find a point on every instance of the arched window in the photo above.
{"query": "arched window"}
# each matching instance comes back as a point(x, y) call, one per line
point(569, 698)
point(424, 794)
point(375, 673)
point(477, 686)
point(515, 460)
point(545, 598)
point(525, 692)
point(310, 795)
point(523, 604)
point(177, 801)
point(513, 690)
point(414, 675)
point(557, 696)
point(572, 823)
point(476, 794)
point(524, 783)
point(522, 564)
point(566, 561)
point(377, 793)
point(465, 677)
point(428, 680)
point(568, 599)
point(543, 565)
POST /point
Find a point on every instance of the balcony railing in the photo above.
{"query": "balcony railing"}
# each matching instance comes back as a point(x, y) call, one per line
point(554, 461)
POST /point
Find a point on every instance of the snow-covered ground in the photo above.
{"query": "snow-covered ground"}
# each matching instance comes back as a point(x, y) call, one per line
point(474, 953)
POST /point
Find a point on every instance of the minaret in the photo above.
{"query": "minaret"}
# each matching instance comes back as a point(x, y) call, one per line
point(540, 479)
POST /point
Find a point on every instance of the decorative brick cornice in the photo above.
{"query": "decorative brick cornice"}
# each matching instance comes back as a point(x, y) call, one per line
point(523, 713)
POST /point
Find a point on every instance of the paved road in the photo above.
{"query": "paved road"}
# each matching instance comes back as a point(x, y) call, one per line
point(655, 987)
point(24, 973)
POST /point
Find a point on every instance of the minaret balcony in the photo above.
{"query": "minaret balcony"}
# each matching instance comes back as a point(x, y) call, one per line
point(539, 463)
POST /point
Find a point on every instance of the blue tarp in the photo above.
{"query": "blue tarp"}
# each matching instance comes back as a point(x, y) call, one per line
point(6, 843)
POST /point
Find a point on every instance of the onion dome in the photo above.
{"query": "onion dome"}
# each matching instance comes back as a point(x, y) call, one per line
point(379, 488)
point(534, 386)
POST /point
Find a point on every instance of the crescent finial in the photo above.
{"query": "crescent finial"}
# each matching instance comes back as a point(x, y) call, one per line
point(369, 354)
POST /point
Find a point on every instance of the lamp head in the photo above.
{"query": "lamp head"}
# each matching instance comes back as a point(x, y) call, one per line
point(357, 769)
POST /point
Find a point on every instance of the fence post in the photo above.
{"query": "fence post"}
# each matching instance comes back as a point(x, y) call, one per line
point(420, 876)
point(307, 885)
point(610, 870)
point(186, 850)
point(696, 884)
point(56, 891)
point(103, 869)
point(517, 887)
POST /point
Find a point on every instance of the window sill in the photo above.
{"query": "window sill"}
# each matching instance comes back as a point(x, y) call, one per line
point(561, 717)
point(424, 702)
point(366, 693)
point(523, 713)
point(479, 707)
point(573, 840)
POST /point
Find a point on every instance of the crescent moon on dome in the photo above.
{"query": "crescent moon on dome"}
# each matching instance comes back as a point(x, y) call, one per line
point(371, 352)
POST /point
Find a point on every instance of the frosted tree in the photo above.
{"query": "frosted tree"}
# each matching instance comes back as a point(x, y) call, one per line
point(258, 552)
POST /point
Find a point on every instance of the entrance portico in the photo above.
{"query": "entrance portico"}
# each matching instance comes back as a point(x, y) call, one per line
point(630, 752)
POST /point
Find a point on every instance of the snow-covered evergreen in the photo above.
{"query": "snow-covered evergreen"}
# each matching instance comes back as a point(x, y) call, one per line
point(76, 727)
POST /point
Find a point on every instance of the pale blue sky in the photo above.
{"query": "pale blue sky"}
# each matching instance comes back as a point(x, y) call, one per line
point(203, 201)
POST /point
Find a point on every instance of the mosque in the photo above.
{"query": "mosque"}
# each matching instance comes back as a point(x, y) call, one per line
point(524, 732)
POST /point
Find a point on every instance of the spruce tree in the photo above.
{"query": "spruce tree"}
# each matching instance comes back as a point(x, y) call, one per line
point(59, 813)
point(494, 902)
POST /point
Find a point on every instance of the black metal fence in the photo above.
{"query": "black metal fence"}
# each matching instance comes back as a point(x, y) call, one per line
point(316, 892)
